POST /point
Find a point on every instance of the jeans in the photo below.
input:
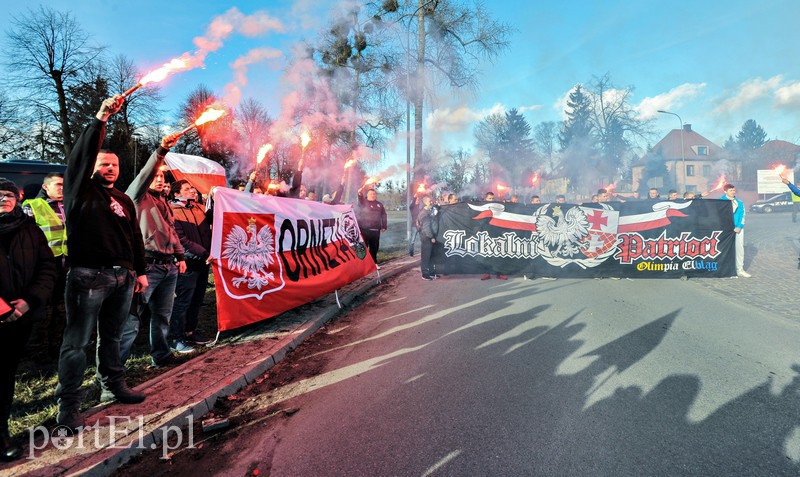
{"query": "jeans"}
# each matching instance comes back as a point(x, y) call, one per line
point(158, 298)
point(425, 251)
point(100, 297)
point(739, 247)
point(189, 294)
point(372, 238)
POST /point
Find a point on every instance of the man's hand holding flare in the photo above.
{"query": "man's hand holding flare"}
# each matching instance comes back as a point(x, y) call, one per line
point(110, 106)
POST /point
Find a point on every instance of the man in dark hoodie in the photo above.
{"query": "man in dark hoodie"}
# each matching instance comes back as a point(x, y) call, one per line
point(163, 254)
point(107, 265)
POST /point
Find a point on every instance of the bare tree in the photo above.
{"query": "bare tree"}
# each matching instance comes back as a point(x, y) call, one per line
point(615, 124)
point(253, 124)
point(452, 39)
point(545, 136)
point(142, 106)
point(358, 58)
point(213, 140)
point(456, 171)
point(46, 50)
point(8, 124)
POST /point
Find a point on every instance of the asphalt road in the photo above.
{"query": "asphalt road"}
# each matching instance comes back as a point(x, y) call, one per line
point(463, 377)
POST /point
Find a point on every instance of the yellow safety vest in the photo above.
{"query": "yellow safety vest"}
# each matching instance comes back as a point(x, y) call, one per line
point(51, 225)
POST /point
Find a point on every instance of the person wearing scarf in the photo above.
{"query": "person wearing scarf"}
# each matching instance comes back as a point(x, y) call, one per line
point(27, 277)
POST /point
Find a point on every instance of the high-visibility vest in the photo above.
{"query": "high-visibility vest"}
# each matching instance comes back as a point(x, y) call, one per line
point(53, 228)
point(795, 198)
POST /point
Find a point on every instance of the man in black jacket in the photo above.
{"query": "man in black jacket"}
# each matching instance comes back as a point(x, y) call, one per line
point(371, 216)
point(193, 225)
point(107, 258)
point(428, 227)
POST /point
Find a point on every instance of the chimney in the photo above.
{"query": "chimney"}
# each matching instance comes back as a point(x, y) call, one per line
point(687, 127)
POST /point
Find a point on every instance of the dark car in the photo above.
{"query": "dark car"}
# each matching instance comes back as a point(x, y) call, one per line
point(28, 175)
point(779, 203)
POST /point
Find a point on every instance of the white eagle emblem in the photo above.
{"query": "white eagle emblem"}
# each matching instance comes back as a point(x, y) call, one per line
point(565, 234)
point(250, 255)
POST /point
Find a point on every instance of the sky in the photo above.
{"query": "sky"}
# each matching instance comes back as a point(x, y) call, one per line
point(715, 63)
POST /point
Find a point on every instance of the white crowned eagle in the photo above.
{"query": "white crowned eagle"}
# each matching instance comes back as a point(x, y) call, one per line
point(564, 234)
point(250, 255)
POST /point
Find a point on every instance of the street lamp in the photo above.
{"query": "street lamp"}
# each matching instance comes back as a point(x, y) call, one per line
point(135, 136)
point(683, 154)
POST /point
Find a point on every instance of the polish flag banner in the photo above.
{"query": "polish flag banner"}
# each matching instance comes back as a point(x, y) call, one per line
point(202, 173)
point(271, 254)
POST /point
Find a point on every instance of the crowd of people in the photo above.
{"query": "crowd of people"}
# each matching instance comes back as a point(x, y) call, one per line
point(84, 259)
point(425, 209)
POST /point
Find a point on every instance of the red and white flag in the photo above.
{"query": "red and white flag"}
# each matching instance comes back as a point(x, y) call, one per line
point(270, 254)
point(202, 173)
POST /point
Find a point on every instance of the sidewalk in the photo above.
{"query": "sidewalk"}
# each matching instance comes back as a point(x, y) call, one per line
point(184, 394)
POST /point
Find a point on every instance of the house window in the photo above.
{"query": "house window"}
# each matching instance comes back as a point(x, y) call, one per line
point(702, 150)
point(706, 170)
point(690, 170)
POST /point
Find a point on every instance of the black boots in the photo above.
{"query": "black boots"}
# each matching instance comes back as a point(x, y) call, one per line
point(123, 394)
point(9, 450)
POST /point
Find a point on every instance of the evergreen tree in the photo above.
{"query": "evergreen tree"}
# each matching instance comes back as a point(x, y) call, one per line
point(748, 140)
point(577, 128)
point(655, 168)
point(751, 136)
point(578, 145)
point(614, 147)
point(519, 154)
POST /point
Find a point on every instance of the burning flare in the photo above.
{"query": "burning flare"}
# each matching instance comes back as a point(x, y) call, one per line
point(176, 64)
point(350, 163)
point(534, 179)
point(610, 187)
point(780, 169)
point(210, 114)
point(371, 180)
point(305, 138)
point(421, 188)
point(719, 184)
point(501, 187)
point(262, 152)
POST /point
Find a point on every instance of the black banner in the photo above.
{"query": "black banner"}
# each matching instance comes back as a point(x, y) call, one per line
point(641, 239)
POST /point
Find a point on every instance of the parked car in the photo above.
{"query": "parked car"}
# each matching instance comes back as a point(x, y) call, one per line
point(779, 203)
point(28, 175)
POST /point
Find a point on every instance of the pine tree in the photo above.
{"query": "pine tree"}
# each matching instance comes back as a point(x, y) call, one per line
point(577, 127)
point(751, 136)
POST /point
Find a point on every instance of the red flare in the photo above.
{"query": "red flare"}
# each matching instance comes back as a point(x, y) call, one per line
point(719, 184)
point(262, 152)
point(210, 114)
point(176, 64)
